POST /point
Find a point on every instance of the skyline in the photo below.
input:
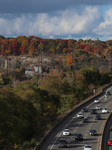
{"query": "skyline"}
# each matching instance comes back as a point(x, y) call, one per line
point(73, 19)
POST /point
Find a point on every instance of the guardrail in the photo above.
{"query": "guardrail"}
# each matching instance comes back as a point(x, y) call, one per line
point(105, 129)
point(100, 139)
point(75, 109)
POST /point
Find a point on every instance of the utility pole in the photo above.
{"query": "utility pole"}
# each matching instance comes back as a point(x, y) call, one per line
point(6, 65)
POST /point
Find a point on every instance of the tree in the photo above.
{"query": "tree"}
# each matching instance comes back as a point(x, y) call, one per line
point(91, 74)
point(55, 85)
point(16, 123)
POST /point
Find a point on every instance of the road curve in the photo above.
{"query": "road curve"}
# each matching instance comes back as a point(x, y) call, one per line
point(76, 126)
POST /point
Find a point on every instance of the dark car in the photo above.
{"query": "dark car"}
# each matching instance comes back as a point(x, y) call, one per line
point(93, 111)
point(98, 117)
point(85, 120)
point(78, 137)
point(92, 132)
point(108, 93)
point(62, 143)
point(84, 109)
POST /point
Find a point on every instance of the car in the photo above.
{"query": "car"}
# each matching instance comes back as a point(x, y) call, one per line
point(78, 137)
point(80, 115)
point(84, 109)
point(98, 107)
point(93, 111)
point(108, 93)
point(96, 100)
point(62, 143)
point(111, 128)
point(109, 142)
point(98, 117)
point(92, 132)
point(104, 110)
point(66, 132)
point(85, 120)
point(87, 147)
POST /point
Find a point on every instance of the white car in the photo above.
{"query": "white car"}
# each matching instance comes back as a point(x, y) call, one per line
point(96, 100)
point(66, 132)
point(80, 115)
point(87, 147)
point(104, 110)
point(98, 107)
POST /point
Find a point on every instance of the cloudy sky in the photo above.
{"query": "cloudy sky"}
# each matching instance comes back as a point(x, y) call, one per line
point(76, 19)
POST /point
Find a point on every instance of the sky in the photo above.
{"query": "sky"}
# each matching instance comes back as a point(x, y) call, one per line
point(66, 19)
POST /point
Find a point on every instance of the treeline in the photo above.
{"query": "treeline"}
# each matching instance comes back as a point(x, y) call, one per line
point(33, 45)
point(28, 110)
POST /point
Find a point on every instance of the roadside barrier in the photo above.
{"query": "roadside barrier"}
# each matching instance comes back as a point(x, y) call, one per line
point(105, 132)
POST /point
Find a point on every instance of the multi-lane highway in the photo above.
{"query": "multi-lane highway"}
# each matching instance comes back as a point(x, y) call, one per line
point(76, 126)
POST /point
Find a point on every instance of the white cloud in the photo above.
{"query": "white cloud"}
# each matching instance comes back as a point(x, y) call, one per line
point(105, 27)
point(42, 24)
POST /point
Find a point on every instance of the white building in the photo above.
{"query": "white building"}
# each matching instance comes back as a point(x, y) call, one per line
point(31, 70)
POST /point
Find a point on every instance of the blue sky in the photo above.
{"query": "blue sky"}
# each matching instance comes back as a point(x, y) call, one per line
point(66, 19)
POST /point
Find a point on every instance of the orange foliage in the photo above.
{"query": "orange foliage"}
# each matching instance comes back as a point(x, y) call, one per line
point(70, 59)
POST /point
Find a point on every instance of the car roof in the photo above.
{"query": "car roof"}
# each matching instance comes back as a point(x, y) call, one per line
point(84, 108)
point(62, 139)
point(80, 113)
point(98, 114)
point(66, 129)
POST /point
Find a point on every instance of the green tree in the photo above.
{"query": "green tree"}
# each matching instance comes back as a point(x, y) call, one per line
point(91, 74)
point(17, 119)
point(55, 85)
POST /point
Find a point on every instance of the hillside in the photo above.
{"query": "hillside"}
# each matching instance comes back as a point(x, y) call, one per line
point(54, 53)
point(69, 72)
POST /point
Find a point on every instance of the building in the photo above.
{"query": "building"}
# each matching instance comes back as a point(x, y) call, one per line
point(32, 69)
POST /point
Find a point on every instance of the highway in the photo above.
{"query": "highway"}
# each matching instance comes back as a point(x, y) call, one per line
point(76, 126)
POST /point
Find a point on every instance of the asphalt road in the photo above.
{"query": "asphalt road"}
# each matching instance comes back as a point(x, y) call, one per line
point(76, 126)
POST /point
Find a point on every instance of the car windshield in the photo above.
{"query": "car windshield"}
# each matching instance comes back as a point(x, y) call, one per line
point(84, 108)
point(66, 130)
point(87, 146)
point(78, 134)
point(92, 131)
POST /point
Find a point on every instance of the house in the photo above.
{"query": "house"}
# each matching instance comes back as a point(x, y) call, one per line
point(32, 69)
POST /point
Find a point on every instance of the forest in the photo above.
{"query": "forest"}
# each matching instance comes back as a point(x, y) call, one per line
point(32, 45)
point(28, 110)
